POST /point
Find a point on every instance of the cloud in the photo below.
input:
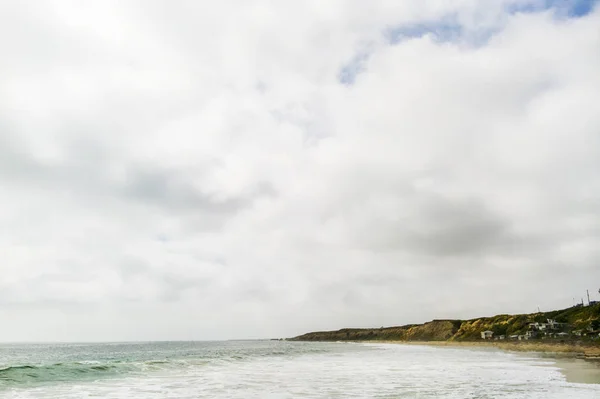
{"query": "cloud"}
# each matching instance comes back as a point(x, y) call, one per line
point(249, 169)
point(568, 9)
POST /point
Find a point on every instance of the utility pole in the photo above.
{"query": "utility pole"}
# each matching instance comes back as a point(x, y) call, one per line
point(588, 294)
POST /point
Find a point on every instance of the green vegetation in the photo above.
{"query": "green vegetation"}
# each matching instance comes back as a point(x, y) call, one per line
point(577, 318)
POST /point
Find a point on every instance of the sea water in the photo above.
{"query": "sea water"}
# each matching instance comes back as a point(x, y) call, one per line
point(277, 369)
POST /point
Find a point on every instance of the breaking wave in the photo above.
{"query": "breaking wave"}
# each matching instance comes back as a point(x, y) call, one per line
point(27, 374)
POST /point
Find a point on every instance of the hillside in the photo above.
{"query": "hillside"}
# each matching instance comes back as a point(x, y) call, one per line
point(576, 319)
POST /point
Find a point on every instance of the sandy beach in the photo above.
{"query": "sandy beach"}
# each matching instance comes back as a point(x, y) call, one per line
point(580, 363)
point(587, 351)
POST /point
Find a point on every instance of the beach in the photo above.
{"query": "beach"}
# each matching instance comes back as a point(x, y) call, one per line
point(580, 363)
point(590, 351)
point(283, 369)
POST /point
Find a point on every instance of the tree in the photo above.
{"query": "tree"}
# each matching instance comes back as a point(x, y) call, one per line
point(499, 329)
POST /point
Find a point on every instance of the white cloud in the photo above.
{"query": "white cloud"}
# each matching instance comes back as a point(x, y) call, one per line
point(199, 171)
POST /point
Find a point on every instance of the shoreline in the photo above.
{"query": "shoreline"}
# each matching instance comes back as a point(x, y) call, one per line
point(583, 351)
point(578, 363)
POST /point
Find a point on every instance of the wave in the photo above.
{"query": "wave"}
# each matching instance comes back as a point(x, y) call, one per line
point(153, 362)
point(9, 368)
point(28, 373)
point(74, 363)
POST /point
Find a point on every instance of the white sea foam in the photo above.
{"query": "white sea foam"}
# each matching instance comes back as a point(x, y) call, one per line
point(357, 371)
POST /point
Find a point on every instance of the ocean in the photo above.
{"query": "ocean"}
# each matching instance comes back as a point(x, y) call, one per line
point(277, 369)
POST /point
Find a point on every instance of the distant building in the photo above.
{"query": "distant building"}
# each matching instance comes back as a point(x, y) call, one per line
point(538, 326)
point(554, 325)
point(515, 336)
point(487, 334)
point(551, 325)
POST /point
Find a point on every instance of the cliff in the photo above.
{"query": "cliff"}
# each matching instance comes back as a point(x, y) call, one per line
point(576, 319)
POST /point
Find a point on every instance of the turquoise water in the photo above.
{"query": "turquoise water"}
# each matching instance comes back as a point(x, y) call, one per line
point(23, 365)
point(276, 369)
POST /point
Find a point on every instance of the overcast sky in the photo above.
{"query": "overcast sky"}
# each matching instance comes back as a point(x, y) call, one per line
point(246, 169)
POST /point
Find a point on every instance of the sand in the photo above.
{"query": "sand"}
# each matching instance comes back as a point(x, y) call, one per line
point(579, 363)
point(585, 351)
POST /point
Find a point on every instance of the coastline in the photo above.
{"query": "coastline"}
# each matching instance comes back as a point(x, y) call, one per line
point(589, 352)
point(578, 363)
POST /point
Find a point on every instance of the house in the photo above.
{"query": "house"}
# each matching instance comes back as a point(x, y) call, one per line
point(538, 326)
point(553, 325)
point(515, 336)
point(487, 334)
point(531, 334)
point(502, 337)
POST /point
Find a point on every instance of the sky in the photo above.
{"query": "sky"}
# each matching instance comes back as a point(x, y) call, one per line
point(199, 170)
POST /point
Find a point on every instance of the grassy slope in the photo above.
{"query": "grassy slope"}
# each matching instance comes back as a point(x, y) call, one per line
point(459, 330)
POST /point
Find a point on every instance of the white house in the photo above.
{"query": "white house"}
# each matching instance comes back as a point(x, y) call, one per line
point(538, 326)
point(487, 334)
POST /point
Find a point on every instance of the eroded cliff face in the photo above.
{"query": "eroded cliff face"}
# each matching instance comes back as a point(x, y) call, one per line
point(576, 318)
point(437, 330)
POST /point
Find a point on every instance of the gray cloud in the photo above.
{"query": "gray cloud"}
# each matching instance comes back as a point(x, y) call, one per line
point(250, 169)
point(438, 226)
point(166, 188)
